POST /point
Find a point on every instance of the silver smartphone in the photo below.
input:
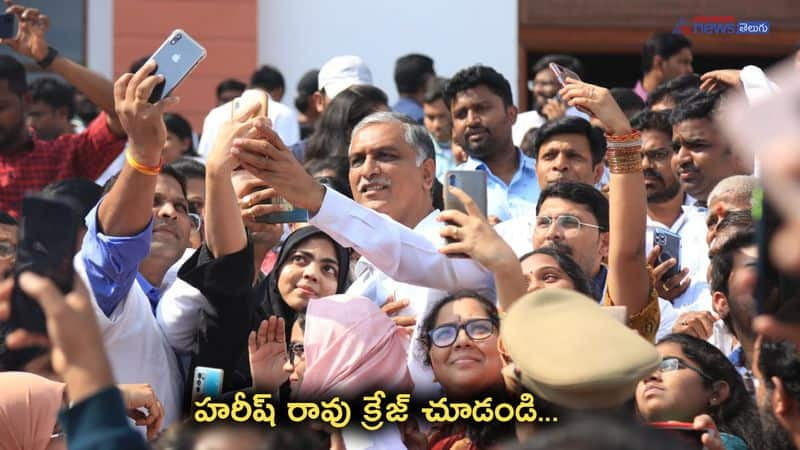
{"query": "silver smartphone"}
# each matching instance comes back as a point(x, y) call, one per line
point(175, 59)
point(473, 182)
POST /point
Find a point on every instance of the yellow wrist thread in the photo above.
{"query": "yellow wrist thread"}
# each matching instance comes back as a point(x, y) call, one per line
point(141, 168)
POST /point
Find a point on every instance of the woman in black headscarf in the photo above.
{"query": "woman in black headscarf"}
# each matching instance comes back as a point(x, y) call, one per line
point(309, 265)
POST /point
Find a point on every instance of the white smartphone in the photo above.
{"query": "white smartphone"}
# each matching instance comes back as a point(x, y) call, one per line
point(175, 59)
point(251, 96)
point(207, 383)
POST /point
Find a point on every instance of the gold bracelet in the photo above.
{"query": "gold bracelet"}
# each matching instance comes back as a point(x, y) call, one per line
point(627, 167)
point(632, 136)
point(141, 168)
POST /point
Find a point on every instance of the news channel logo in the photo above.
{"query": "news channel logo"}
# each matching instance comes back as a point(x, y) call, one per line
point(720, 25)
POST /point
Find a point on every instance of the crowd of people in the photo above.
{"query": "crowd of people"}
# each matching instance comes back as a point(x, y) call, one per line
point(563, 287)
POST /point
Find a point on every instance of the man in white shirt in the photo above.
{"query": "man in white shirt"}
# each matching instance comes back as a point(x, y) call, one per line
point(666, 209)
point(544, 86)
point(392, 222)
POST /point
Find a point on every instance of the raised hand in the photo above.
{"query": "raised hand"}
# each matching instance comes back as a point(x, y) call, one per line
point(33, 25)
point(267, 351)
point(142, 121)
point(138, 396)
point(599, 102)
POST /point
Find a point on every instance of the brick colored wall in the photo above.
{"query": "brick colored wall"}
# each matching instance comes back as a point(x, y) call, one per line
point(228, 31)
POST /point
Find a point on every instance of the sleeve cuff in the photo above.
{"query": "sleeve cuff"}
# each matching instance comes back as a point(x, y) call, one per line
point(95, 418)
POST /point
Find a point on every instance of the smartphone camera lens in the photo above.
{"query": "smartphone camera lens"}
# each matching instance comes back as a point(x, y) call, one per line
point(176, 39)
point(452, 180)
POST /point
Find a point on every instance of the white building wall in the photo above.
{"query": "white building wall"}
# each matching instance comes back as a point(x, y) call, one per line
point(100, 36)
point(298, 35)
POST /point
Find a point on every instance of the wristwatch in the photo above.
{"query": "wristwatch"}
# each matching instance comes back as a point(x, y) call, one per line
point(45, 62)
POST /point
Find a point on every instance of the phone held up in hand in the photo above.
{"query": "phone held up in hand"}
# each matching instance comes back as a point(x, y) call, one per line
point(175, 59)
point(47, 244)
point(670, 244)
point(207, 383)
point(7, 23)
point(473, 183)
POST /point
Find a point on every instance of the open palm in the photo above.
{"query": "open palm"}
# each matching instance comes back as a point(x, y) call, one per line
point(267, 351)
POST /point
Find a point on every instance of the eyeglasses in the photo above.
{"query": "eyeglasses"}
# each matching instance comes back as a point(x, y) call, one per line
point(7, 249)
point(296, 351)
point(197, 221)
point(477, 330)
point(672, 363)
point(533, 83)
point(566, 222)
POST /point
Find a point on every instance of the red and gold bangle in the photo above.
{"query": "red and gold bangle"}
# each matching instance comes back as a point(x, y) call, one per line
point(632, 136)
point(624, 160)
point(141, 168)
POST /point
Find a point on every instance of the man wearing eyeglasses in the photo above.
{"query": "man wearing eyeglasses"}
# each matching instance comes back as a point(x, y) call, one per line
point(669, 207)
point(8, 243)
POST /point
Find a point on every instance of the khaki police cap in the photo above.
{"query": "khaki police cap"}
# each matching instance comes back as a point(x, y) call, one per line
point(572, 353)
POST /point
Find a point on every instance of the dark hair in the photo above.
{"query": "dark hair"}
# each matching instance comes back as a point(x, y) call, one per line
point(167, 170)
point(741, 220)
point(268, 78)
point(475, 76)
point(14, 73)
point(181, 127)
point(305, 89)
point(340, 182)
point(779, 359)
point(190, 168)
point(137, 64)
point(599, 432)
point(411, 71)
point(53, 93)
point(582, 194)
point(81, 193)
point(230, 84)
point(572, 125)
point(568, 265)
point(332, 136)
point(701, 105)
point(722, 262)
point(669, 88)
point(436, 91)
point(6, 219)
point(628, 100)
point(652, 120)
point(528, 141)
point(738, 414)
point(429, 322)
point(570, 62)
point(664, 45)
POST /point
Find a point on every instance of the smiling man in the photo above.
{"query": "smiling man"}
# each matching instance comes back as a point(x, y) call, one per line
point(483, 114)
point(704, 155)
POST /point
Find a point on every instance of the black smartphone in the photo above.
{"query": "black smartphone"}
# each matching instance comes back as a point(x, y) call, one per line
point(7, 22)
point(175, 59)
point(776, 293)
point(47, 243)
point(670, 244)
point(682, 432)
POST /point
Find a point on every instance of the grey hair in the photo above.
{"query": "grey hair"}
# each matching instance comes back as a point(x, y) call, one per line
point(738, 187)
point(414, 134)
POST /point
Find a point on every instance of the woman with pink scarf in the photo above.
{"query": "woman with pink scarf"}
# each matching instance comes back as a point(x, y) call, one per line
point(344, 346)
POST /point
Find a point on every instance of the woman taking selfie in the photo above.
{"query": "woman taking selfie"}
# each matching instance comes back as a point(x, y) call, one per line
point(696, 378)
point(309, 265)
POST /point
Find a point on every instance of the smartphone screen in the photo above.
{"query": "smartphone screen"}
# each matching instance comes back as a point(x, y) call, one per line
point(7, 26)
point(175, 59)
point(47, 244)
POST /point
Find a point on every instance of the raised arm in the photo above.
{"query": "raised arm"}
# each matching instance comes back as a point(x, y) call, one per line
point(401, 253)
point(628, 280)
point(128, 207)
point(30, 41)
point(475, 237)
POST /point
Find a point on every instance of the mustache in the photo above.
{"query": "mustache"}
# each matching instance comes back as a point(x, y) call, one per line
point(471, 131)
point(381, 181)
point(651, 173)
point(559, 247)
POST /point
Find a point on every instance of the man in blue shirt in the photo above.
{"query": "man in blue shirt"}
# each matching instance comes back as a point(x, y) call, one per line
point(412, 74)
point(483, 114)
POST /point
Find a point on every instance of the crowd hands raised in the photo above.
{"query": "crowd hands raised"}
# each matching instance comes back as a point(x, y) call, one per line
point(556, 290)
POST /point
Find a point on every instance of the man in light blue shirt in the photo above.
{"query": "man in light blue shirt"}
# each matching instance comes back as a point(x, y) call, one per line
point(483, 114)
point(412, 74)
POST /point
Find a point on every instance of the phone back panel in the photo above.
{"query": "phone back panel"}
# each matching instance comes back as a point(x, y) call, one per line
point(175, 59)
point(473, 182)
